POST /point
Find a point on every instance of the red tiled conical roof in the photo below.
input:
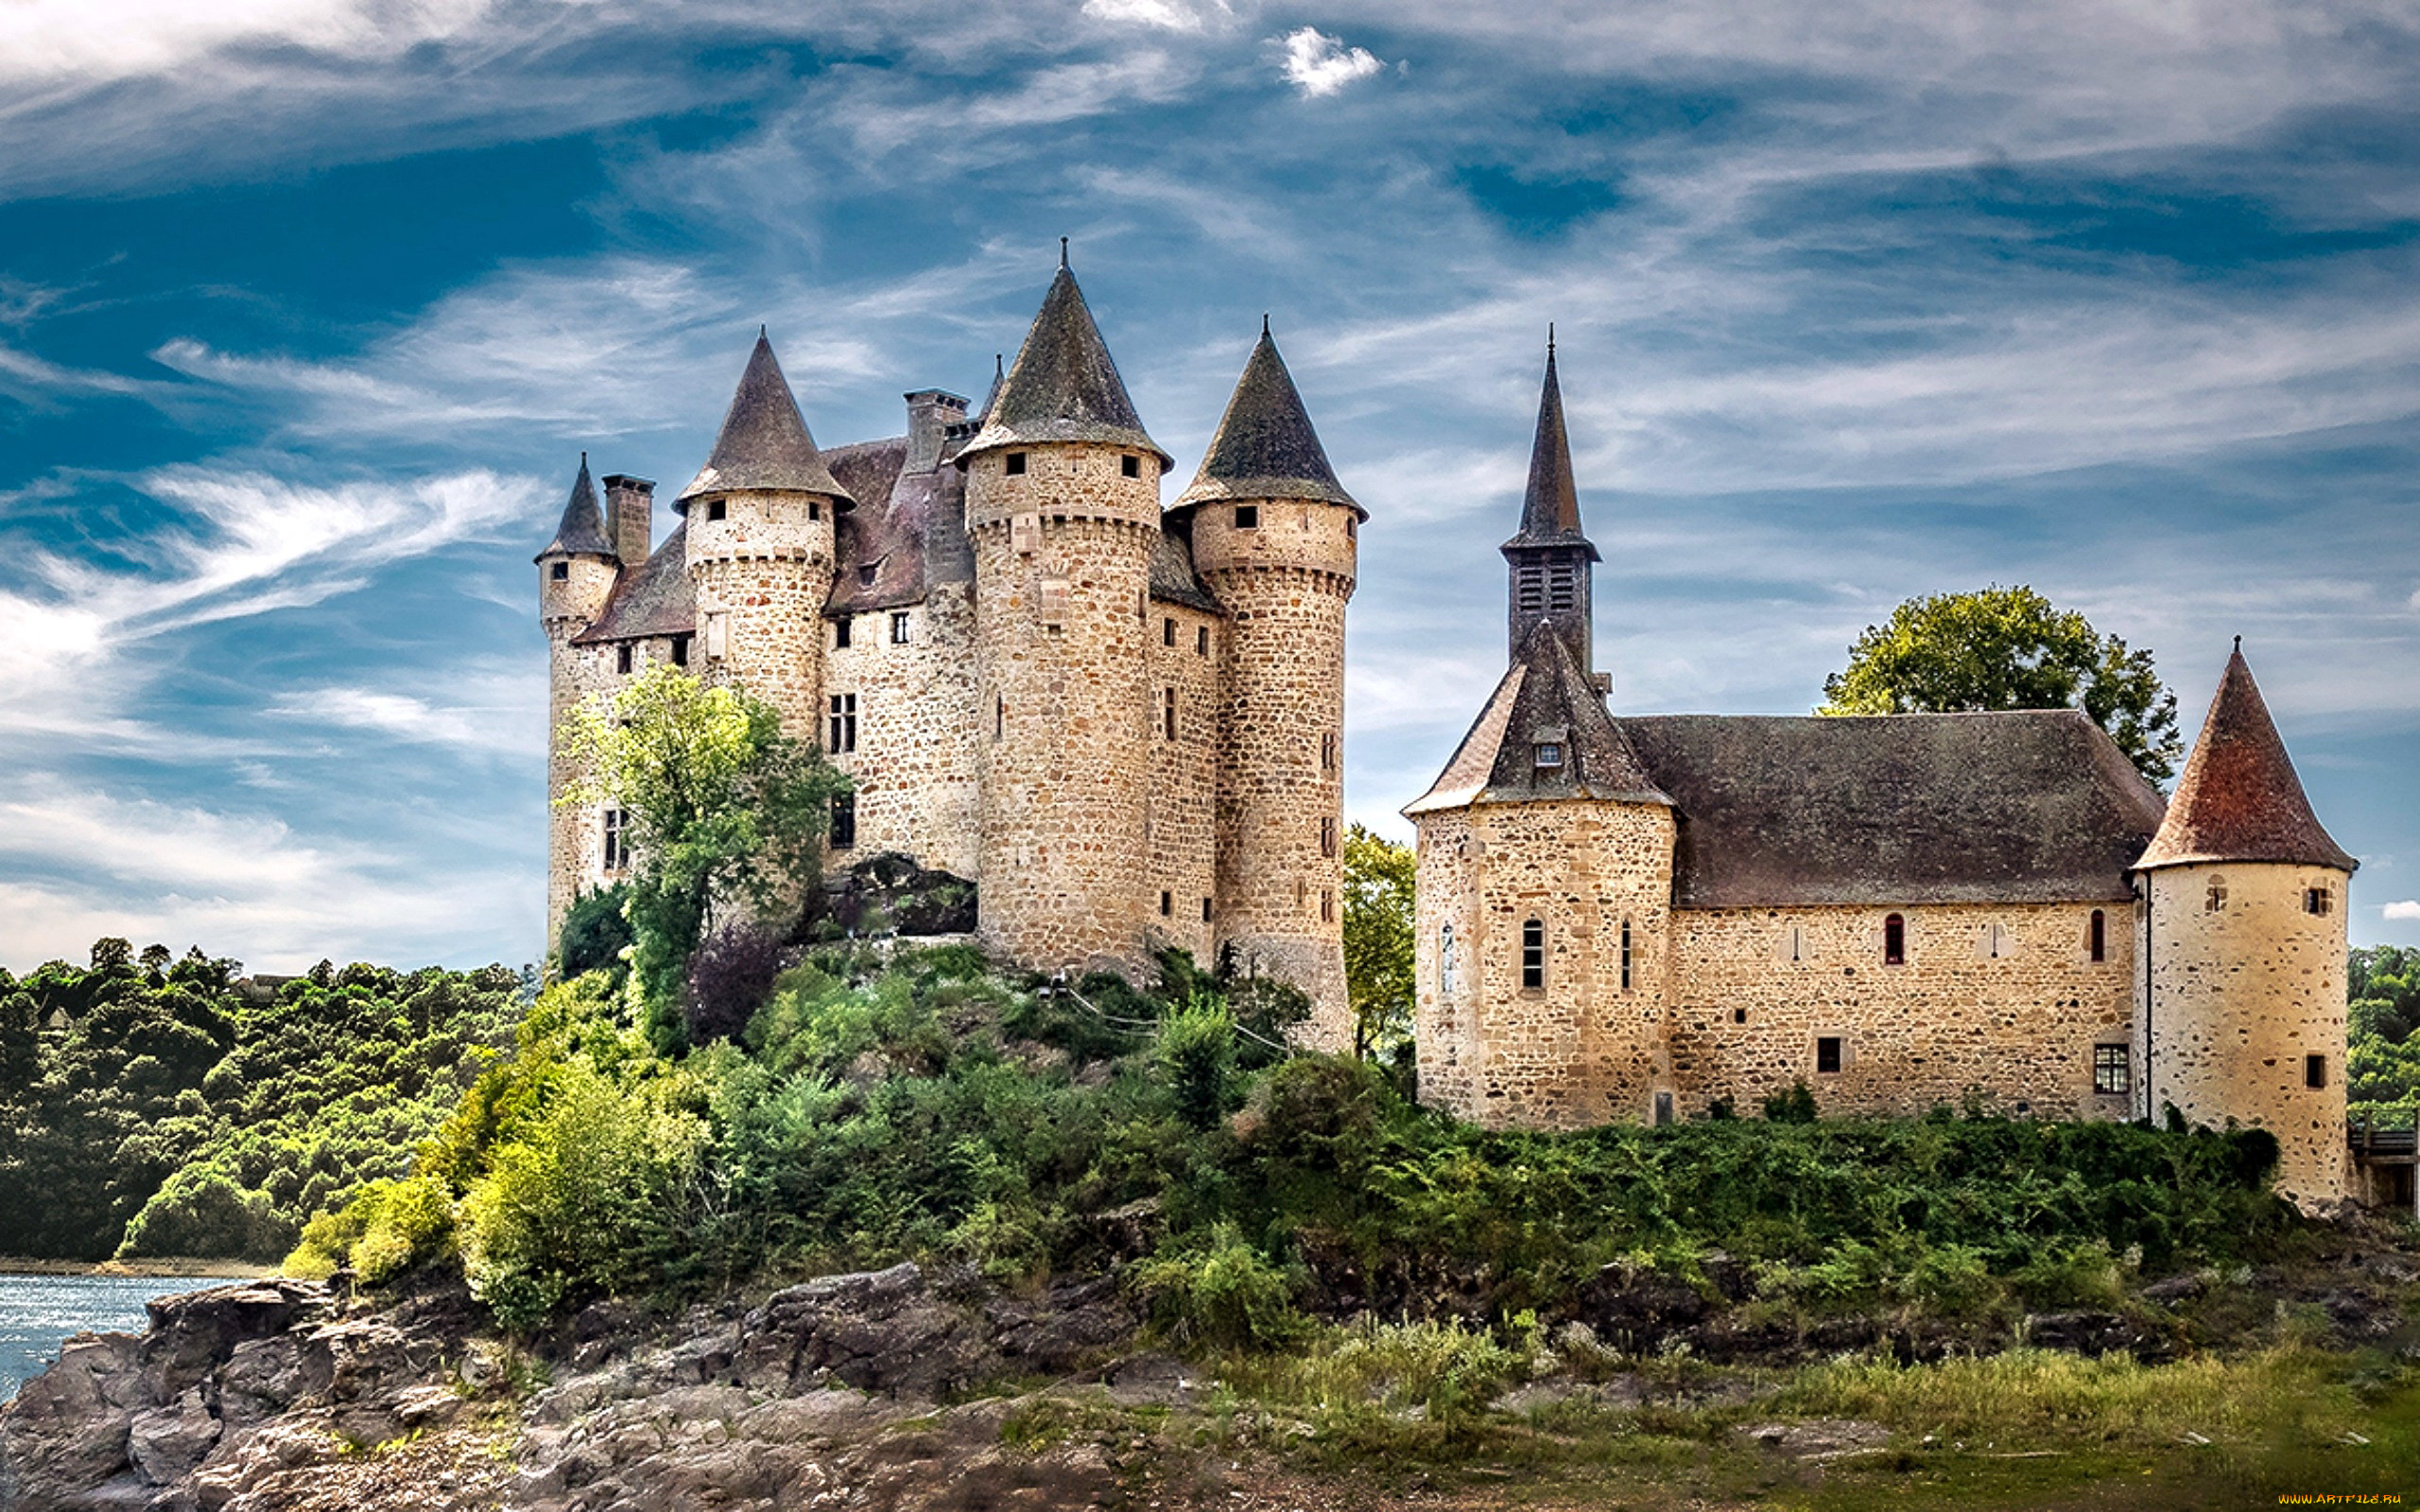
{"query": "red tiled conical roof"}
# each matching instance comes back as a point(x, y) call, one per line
point(2239, 799)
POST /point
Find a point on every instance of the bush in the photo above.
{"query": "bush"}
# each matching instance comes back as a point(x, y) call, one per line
point(1224, 1296)
point(731, 974)
point(594, 934)
point(1796, 1105)
point(1197, 1054)
point(202, 1211)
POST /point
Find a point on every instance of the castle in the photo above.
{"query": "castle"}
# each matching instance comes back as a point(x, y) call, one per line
point(1639, 918)
point(1122, 724)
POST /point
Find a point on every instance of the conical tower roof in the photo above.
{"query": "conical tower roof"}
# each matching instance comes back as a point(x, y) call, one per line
point(1063, 385)
point(1545, 698)
point(1550, 504)
point(764, 443)
point(1265, 447)
point(2239, 799)
point(583, 530)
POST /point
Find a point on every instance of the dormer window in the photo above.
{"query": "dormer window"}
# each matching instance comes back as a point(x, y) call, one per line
point(1130, 467)
point(718, 509)
point(1549, 754)
point(1013, 464)
point(1247, 517)
point(866, 573)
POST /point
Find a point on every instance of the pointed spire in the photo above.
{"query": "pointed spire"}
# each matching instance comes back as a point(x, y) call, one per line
point(1550, 507)
point(1265, 447)
point(1546, 699)
point(764, 442)
point(583, 530)
point(992, 395)
point(1064, 387)
point(2239, 799)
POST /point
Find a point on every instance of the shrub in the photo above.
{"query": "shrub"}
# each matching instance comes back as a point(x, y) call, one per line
point(1196, 1052)
point(594, 934)
point(731, 974)
point(1224, 1295)
point(204, 1211)
point(1796, 1105)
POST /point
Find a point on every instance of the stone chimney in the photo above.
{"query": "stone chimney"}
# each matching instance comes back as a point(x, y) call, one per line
point(629, 517)
point(930, 413)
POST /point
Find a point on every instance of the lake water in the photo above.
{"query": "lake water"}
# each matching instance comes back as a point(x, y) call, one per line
point(39, 1313)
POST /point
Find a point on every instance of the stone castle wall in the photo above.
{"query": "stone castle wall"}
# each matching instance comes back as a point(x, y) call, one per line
point(1285, 584)
point(1753, 989)
point(2241, 992)
point(763, 574)
point(916, 764)
point(1183, 647)
point(565, 608)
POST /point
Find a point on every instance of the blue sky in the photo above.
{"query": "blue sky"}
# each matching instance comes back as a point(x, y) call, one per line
point(307, 308)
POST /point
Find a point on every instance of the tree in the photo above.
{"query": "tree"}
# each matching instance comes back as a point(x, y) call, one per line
point(723, 810)
point(2009, 649)
point(1378, 875)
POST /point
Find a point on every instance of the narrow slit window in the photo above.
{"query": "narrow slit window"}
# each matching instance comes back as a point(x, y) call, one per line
point(999, 718)
point(1205, 910)
point(1167, 713)
point(1168, 903)
point(1168, 631)
point(1327, 751)
point(1625, 955)
point(1534, 953)
point(1327, 906)
point(1827, 1054)
point(1013, 464)
point(1894, 940)
point(2216, 900)
point(1738, 1015)
point(2112, 1070)
point(1328, 835)
point(2097, 935)
point(844, 820)
point(840, 633)
point(1247, 517)
point(1202, 640)
point(2315, 1072)
point(815, 509)
point(622, 658)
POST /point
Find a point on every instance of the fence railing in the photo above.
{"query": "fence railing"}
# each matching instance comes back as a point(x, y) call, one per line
point(2395, 1133)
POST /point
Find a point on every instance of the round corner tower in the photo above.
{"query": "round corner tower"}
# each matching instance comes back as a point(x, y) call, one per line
point(1062, 505)
point(2243, 1009)
point(577, 573)
point(1274, 537)
point(760, 533)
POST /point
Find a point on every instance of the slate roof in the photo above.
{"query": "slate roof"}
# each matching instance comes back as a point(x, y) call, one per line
point(1544, 697)
point(2239, 799)
point(656, 598)
point(1265, 447)
point(2035, 805)
point(583, 530)
point(1063, 385)
point(1550, 504)
point(763, 441)
point(1173, 577)
point(910, 528)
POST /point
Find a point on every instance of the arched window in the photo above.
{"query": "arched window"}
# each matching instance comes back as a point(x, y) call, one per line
point(2217, 897)
point(1445, 961)
point(1534, 953)
point(2096, 937)
point(1894, 940)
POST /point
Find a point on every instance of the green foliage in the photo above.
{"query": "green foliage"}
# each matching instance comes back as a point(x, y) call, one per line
point(594, 933)
point(2009, 649)
point(149, 1107)
point(1197, 1054)
point(1223, 1294)
point(389, 1228)
point(725, 814)
point(2382, 1065)
point(1796, 1105)
point(1379, 876)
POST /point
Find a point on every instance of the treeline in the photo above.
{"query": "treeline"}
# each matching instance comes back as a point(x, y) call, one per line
point(151, 1105)
point(2383, 1059)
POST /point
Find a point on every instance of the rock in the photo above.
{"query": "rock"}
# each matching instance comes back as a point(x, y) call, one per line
point(2169, 1290)
point(194, 1332)
point(880, 1330)
point(66, 1432)
point(167, 1442)
point(1634, 1308)
point(2085, 1333)
point(1073, 1323)
point(1820, 1438)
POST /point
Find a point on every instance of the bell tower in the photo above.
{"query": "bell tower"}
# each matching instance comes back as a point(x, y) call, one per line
point(1551, 563)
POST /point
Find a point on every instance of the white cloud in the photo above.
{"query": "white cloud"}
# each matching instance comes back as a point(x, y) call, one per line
point(495, 711)
point(1318, 64)
point(1171, 15)
point(2408, 908)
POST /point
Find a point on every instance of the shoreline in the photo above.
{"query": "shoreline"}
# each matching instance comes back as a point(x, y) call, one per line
point(232, 1270)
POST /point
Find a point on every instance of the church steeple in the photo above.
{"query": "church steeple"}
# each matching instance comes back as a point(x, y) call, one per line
point(1550, 558)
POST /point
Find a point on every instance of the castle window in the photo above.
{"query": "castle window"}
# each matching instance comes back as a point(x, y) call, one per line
point(680, 650)
point(1894, 940)
point(1793, 944)
point(1327, 751)
point(1827, 1054)
point(899, 627)
point(1168, 632)
point(1168, 712)
point(1997, 941)
point(1205, 910)
point(840, 633)
point(1202, 640)
point(1350, 533)
point(1328, 835)
point(1446, 962)
point(1247, 517)
point(618, 843)
point(622, 656)
point(2097, 935)
point(1168, 903)
point(1013, 464)
point(562, 572)
point(718, 510)
point(1738, 1015)
point(1549, 754)
point(1534, 955)
point(1130, 467)
point(2112, 1070)
point(2317, 901)
point(2216, 900)
point(842, 708)
point(844, 820)
point(815, 509)
point(1327, 906)
point(1625, 955)
point(999, 718)
point(866, 572)
point(2315, 1072)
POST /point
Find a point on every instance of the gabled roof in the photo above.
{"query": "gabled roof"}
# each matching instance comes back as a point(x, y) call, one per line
point(1550, 504)
point(1265, 447)
point(2025, 806)
point(583, 530)
point(1063, 385)
point(1545, 698)
point(764, 442)
point(2239, 799)
point(655, 599)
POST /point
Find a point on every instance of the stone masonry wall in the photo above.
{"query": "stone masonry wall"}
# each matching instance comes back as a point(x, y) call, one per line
point(917, 757)
point(2239, 994)
point(575, 833)
point(1755, 988)
point(1061, 556)
point(765, 570)
point(1445, 994)
point(1285, 584)
point(565, 608)
point(1181, 824)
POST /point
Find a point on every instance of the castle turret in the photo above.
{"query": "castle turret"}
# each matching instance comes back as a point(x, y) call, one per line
point(760, 521)
point(1063, 503)
point(2243, 1015)
point(576, 575)
point(1550, 558)
point(1273, 535)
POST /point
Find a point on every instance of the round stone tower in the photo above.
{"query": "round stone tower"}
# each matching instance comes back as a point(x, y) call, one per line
point(1062, 504)
point(576, 575)
point(760, 550)
point(2243, 1007)
point(1274, 535)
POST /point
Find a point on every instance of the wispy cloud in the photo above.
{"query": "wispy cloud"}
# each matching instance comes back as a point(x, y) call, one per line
point(1319, 64)
point(2407, 909)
